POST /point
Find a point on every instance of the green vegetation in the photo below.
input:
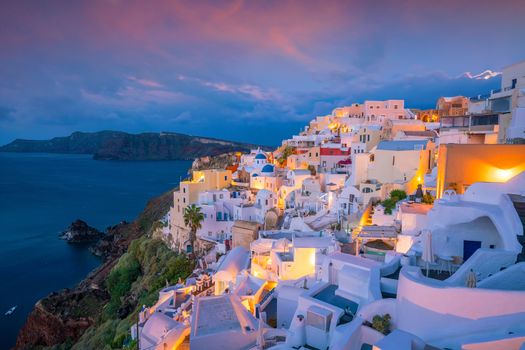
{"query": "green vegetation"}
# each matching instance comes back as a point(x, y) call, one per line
point(399, 194)
point(134, 281)
point(428, 199)
point(193, 218)
point(287, 151)
point(120, 280)
point(381, 323)
point(390, 203)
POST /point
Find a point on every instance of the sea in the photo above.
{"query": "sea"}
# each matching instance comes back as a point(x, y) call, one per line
point(40, 195)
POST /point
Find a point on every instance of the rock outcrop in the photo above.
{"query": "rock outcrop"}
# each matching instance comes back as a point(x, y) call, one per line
point(80, 232)
point(61, 317)
point(65, 315)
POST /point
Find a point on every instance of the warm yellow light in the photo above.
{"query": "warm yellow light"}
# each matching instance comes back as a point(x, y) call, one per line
point(312, 258)
point(503, 174)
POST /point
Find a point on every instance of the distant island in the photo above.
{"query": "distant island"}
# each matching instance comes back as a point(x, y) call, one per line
point(117, 145)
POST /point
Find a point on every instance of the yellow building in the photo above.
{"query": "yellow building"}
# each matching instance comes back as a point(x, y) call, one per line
point(461, 165)
point(403, 162)
point(393, 126)
point(188, 193)
point(297, 161)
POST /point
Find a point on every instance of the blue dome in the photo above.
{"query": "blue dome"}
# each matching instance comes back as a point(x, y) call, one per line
point(260, 156)
point(268, 168)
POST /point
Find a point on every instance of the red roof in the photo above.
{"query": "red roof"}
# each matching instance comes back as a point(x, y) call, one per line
point(335, 152)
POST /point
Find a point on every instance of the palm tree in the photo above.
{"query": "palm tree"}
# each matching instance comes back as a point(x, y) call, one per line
point(193, 218)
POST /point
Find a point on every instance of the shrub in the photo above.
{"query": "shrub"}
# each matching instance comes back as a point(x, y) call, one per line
point(389, 205)
point(399, 194)
point(120, 280)
point(381, 323)
point(428, 199)
point(288, 151)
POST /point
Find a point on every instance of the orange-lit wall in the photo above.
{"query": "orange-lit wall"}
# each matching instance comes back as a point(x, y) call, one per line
point(467, 164)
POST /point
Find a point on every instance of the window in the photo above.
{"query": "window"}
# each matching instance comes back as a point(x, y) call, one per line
point(367, 190)
point(184, 189)
point(393, 160)
point(514, 82)
point(368, 137)
point(184, 200)
point(395, 106)
point(226, 178)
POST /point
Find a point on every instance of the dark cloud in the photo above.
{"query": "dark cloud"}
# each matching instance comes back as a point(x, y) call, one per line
point(236, 69)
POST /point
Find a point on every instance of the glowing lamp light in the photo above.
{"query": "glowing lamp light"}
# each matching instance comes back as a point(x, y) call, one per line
point(503, 174)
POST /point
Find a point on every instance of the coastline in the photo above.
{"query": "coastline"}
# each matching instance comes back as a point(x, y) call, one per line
point(50, 322)
point(40, 195)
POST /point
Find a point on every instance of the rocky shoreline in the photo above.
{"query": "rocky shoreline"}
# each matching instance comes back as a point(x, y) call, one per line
point(62, 317)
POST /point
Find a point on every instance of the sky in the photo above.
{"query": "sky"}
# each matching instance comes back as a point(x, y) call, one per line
point(252, 71)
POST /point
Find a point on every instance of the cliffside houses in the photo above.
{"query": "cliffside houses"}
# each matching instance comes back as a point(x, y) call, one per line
point(369, 229)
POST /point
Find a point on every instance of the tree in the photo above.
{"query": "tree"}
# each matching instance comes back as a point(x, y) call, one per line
point(398, 195)
point(193, 218)
point(390, 203)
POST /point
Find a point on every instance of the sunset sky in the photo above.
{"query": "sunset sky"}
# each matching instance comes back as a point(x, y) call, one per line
point(243, 70)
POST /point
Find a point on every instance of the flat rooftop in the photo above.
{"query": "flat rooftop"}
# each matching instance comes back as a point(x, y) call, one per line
point(415, 208)
point(215, 315)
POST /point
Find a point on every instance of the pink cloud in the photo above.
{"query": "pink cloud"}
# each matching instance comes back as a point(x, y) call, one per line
point(146, 82)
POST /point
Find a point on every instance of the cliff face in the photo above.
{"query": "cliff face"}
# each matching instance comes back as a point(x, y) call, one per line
point(64, 316)
point(61, 317)
point(117, 145)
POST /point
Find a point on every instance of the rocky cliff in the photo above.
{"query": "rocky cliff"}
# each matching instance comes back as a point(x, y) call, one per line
point(80, 232)
point(116, 145)
point(63, 317)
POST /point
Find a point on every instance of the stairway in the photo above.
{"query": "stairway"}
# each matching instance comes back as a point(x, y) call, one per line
point(519, 205)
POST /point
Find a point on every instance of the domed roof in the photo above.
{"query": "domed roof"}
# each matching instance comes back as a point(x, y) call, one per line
point(260, 156)
point(268, 168)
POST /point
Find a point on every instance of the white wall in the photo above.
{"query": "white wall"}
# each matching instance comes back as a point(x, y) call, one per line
point(428, 309)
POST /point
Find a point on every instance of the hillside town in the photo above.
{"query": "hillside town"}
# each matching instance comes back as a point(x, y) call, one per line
point(377, 226)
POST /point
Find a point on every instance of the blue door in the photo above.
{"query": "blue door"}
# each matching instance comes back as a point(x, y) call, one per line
point(469, 247)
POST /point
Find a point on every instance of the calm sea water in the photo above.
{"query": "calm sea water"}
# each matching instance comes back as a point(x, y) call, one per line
point(40, 195)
